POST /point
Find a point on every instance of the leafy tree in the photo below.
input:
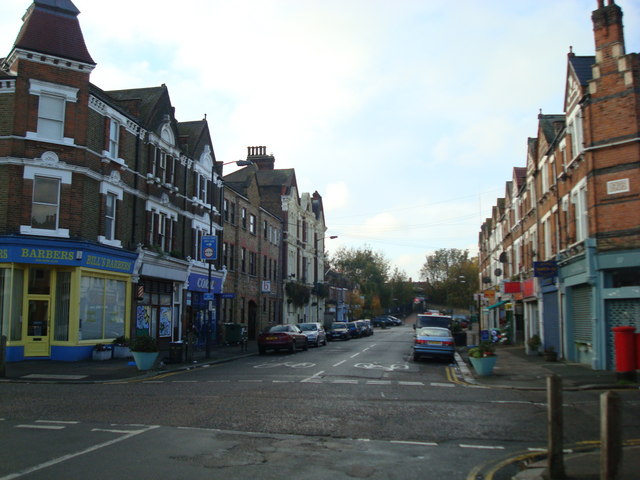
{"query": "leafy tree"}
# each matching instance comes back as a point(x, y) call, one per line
point(451, 276)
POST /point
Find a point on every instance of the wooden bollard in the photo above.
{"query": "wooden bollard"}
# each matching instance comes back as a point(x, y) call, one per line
point(555, 461)
point(610, 436)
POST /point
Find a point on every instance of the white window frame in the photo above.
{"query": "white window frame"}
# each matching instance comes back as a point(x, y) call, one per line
point(52, 90)
point(579, 199)
point(30, 172)
point(110, 189)
point(114, 138)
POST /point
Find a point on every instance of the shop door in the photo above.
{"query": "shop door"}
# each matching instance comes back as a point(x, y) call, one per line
point(37, 337)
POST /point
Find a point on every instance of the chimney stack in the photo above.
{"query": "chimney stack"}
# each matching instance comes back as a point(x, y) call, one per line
point(259, 157)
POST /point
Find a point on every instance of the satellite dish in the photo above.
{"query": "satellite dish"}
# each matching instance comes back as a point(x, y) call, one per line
point(503, 257)
point(497, 272)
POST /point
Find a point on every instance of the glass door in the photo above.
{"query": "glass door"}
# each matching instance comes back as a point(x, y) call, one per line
point(37, 336)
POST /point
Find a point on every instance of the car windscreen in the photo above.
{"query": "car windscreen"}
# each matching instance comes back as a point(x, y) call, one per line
point(433, 332)
point(279, 328)
point(308, 327)
point(433, 321)
point(338, 326)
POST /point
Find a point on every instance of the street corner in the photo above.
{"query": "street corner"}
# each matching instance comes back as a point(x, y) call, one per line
point(522, 465)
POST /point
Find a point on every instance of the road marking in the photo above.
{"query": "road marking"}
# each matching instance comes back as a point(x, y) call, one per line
point(153, 381)
point(313, 377)
point(481, 447)
point(184, 381)
point(111, 430)
point(42, 427)
point(70, 456)
point(410, 383)
point(281, 381)
point(64, 422)
point(406, 442)
point(355, 355)
point(218, 381)
point(438, 384)
point(250, 381)
point(378, 382)
point(339, 363)
point(44, 376)
point(350, 382)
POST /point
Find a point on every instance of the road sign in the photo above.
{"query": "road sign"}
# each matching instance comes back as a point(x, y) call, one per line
point(207, 296)
point(209, 247)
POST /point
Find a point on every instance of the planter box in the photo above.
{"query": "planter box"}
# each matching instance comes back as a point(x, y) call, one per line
point(120, 351)
point(145, 360)
point(484, 366)
point(101, 355)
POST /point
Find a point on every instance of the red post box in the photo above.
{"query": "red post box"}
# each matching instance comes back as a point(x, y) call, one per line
point(625, 345)
point(637, 351)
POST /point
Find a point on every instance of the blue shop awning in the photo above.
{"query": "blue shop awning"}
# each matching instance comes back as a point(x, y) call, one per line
point(496, 305)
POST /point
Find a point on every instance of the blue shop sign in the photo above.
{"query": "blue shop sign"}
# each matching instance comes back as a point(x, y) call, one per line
point(74, 254)
point(200, 283)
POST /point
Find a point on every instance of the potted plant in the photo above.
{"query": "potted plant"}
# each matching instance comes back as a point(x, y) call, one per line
point(144, 349)
point(121, 347)
point(101, 352)
point(550, 354)
point(483, 358)
point(534, 343)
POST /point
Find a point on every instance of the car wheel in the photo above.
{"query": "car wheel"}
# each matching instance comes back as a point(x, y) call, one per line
point(318, 342)
point(416, 357)
point(325, 342)
point(292, 347)
point(261, 350)
point(305, 346)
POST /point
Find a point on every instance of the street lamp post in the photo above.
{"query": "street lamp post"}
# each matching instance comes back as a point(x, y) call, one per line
point(210, 259)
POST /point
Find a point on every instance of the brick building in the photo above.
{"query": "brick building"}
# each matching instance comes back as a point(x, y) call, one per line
point(575, 251)
point(104, 200)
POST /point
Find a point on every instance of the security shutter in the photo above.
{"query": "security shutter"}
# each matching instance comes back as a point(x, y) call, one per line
point(620, 313)
point(581, 314)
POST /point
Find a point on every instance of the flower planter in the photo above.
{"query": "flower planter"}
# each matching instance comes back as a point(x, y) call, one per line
point(484, 365)
point(101, 354)
point(121, 351)
point(550, 356)
point(145, 360)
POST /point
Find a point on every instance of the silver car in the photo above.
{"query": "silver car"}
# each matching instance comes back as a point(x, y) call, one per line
point(315, 333)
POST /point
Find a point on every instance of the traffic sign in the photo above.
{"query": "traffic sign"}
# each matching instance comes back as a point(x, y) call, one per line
point(209, 247)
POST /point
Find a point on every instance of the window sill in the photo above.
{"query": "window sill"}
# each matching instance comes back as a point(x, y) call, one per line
point(111, 243)
point(58, 141)
point(59, 233)
point(106, 158)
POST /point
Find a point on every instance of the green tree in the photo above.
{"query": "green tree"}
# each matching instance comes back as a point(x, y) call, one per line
point(452, 277)
point(367, 269)
point(402, 292)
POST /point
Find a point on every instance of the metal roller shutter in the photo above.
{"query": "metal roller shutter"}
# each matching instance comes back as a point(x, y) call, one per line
point(581, 314)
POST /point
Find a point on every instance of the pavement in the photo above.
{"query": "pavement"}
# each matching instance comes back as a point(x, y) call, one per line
point(514, 370)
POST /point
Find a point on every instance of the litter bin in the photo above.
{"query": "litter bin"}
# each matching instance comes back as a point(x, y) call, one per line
point(232, 333)
point(176, 352)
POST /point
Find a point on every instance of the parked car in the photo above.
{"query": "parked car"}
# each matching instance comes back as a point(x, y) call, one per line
point(369, 326)
point(282, 337)
point(354, 331)
point(362, 328)
point(315, 333)
point(338, 331)
point(394, 320)
point(462, 320)
point(433, 342)
point(382, 321)
point(432, 320)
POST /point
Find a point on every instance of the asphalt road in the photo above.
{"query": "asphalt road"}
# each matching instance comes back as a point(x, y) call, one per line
point(355, 409)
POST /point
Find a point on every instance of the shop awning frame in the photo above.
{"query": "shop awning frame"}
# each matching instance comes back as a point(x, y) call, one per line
point(496, 305)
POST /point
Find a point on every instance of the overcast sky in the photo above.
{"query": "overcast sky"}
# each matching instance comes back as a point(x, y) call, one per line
point(407, 116)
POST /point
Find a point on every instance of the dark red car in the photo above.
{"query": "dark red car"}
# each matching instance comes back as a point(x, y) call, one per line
point(282, 337)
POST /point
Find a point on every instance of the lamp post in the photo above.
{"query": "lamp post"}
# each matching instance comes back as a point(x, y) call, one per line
point(215, 247)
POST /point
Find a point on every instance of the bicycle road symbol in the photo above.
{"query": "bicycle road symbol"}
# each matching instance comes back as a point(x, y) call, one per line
point(285, 364)
point(377, 366)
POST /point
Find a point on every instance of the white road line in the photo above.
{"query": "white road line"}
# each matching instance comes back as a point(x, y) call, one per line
point(378, 382)
point(69, 456)
point(62, 422)
point(350, 382)
point(184, 381)
point(112, 430)
point(250, 381)
point(313, 378)
point(410, 383)
point(339, 363)
point(437, 384)
point(481, 447)
point(282, 381)
point(218, 381)
point(403, 442)
point(153, 381)
point(42, 427)
point(355, 355)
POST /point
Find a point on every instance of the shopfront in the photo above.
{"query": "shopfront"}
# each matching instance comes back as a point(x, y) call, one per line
point(200, 318)
point(60, 298)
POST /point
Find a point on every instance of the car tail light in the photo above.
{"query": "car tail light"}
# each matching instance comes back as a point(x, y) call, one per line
point(447, 344)
point(420, 341)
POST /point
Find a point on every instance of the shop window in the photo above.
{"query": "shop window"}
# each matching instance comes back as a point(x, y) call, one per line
point(622, 277)
point(46, 202)
point(63, 301)
point(102, 308)
point(39, 281)
point(11, 293)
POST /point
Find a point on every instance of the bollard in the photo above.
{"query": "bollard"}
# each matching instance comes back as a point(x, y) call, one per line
point(625, 348)
point(610, 436)
point(555, 461)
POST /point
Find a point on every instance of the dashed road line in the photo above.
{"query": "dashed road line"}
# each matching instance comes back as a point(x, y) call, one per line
point(482, 447)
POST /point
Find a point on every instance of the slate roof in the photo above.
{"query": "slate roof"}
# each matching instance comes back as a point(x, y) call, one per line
point(551, 125)
point(582, 67)
point(191, 132)
point(51, 27)
point(147, 97)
